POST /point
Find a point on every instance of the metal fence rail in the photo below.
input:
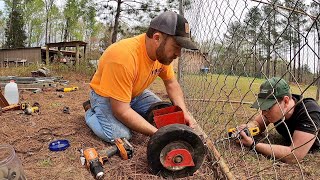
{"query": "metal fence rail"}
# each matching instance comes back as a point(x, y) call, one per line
point(243, 43)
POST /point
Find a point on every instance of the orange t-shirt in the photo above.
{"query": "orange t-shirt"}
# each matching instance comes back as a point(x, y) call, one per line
point(125, 70)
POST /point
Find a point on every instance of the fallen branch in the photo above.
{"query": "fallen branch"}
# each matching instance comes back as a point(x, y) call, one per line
point(221, 162)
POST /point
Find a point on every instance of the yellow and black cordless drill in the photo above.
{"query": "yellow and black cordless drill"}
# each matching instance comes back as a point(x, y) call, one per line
point(235, 133)
point(28, 109)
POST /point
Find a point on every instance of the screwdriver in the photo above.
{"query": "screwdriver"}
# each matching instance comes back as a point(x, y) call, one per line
point(234, 133)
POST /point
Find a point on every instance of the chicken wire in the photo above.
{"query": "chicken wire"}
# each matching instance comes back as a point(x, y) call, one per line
point(241, 44)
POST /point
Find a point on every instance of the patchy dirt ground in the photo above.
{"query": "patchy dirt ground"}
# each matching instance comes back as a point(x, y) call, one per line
point(30, 135)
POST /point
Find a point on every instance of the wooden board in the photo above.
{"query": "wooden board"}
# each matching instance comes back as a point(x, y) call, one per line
point(11, 107)
point(3, 101)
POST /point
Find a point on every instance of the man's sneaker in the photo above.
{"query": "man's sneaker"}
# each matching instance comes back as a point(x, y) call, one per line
point(86, 105)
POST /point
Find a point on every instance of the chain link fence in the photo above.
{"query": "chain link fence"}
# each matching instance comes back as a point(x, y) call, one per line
point(243, 43)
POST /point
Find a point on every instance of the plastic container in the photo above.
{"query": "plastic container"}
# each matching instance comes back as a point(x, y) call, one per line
point(11, 92)
point(59, 145)
point(10, 165)
point(204, 70)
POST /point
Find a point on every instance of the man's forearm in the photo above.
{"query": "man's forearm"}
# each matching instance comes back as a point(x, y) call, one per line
point(258, 121)
point(283, 153)
point(134, 121)
point(176, 95)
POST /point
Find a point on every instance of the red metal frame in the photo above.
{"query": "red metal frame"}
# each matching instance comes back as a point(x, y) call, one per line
point(168, 115)
point(183, 154)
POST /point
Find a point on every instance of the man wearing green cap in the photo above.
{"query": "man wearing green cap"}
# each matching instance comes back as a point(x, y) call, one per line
point(296, 118)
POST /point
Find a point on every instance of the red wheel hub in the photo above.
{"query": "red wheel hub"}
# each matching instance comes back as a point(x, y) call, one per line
point(178, 157)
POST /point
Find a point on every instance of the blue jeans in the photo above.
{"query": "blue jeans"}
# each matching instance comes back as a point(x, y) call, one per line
point(102, 122)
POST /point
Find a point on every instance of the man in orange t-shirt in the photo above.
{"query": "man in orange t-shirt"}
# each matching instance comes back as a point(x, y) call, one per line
point(119, 97)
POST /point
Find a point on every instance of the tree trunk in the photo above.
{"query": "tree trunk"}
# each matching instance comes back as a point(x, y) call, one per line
point(47, 21)
point(179, 74)
point(30, 35)
point(275, 66)
point(300, 71)
point(116, 22)
point(274, 46)
point(62, 29)
point(49, 33)
point(268, 50)
point(318, 69)
point(294, 63)
point(290, 63)
point(181, 11)
point(66, 32)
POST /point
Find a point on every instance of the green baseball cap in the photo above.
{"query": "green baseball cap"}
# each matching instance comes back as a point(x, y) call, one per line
point(270, 90)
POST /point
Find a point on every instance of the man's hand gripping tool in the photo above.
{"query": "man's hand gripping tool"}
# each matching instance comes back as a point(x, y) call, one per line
point(235, 133)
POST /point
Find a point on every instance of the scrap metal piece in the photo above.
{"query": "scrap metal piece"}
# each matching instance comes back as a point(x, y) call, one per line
point(42, 72)
point(82, 158)
point(66, 110)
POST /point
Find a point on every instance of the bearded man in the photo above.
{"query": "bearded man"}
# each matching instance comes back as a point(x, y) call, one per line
point(119, 98)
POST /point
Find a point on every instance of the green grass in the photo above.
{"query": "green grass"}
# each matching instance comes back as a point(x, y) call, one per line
point(55, 104)
point(232, 87)
point(45, 162)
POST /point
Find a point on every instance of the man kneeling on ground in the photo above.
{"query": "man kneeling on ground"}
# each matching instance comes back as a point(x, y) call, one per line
point(119, 97)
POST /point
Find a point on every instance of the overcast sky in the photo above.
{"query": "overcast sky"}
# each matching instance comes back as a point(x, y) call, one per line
point(212, 19)
point(1, 4)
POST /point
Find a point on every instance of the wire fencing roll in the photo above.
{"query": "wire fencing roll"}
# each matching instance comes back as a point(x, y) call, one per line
point(243, 43)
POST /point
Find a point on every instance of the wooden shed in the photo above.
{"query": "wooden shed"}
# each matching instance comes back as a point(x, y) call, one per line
point(59, 45)
point(35, 55)
point(20, 55)
point(193, 62)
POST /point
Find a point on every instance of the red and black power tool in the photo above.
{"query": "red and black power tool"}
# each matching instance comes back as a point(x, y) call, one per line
point(94, 160)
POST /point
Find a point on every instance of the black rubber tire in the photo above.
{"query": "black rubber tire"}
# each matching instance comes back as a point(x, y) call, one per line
point(157, 105)
point(166, 135)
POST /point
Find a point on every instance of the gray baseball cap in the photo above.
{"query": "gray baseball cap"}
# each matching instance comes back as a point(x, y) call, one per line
point(176, 25)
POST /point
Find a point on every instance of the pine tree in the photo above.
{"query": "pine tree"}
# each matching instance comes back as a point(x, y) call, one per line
point(293, 36)
point(14, 32)
point(133, 12)
point(253, 20)
point(2, 29)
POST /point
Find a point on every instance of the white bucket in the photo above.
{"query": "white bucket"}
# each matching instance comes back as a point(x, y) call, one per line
point(11, 92)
